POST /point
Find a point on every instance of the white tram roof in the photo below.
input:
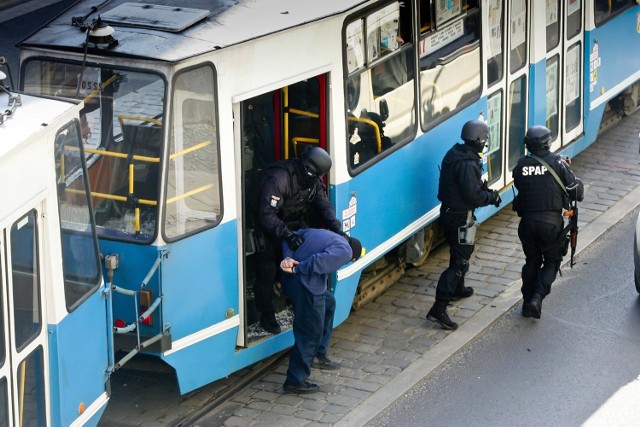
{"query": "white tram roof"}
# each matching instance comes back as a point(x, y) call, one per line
point(27, 119)
point(173, 30)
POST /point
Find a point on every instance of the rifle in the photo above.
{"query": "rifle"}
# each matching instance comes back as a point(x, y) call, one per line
point(573, 230)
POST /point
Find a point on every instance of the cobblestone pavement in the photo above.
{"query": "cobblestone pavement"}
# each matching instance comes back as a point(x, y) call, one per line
point(387, 346)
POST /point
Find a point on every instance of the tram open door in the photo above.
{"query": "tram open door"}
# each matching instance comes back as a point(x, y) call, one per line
point(54, 334)
point(276, 125)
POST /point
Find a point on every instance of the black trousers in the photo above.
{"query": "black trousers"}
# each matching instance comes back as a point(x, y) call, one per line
point(543, 252)
point(267, 273)
point(453, 277)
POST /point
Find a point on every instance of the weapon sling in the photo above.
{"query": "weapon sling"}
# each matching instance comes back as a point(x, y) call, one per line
point(566, 229)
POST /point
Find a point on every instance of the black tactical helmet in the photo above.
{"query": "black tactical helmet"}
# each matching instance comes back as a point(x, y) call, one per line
point(537, 138)
point(316, 161)
point(475, 133)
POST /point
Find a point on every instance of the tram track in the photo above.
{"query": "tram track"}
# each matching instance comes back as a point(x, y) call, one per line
point(219, 408)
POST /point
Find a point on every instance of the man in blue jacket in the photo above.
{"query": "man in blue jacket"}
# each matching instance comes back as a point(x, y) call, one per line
point(322, 252)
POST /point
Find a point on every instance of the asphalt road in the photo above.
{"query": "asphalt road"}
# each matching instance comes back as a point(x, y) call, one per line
point(579, 365)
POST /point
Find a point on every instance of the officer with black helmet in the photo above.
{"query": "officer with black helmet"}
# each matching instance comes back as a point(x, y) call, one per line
point(461, 190)
point(289, 189)
point(542, 196)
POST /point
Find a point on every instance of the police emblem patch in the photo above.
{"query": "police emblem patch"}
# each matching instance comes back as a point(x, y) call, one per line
point(274, 201)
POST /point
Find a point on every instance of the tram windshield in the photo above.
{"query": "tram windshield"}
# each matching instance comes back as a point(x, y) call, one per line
point(123, 133)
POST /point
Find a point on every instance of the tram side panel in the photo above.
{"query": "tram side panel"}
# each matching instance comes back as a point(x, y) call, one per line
point(76, 355)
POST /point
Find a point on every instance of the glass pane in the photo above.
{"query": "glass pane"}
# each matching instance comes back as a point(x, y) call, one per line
point(516, 120)
point(123, 139)
point(355, 46)
point(80, 258)
point(574, 18)
point(3, 351)
point(31, 391)
point(495, 56)
point(573, 83)
point(495, 148)
point(450, 68)
point(553, 23)
point(26, 280)
point(518, 34)
point(383, 29)
point(5, 416)
point(605, 9)
point(553, 96)
point(193, 185)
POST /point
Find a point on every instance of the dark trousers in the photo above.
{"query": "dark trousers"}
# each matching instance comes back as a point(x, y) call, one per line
point(312, 327)
point(453, 277)
point(267, 261)
point(543, 252)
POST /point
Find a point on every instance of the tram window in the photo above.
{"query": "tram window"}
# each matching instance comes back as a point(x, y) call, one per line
point(32, 402)
point(495, 148)
point(518, 35)
point(193, 200)
point(553, 96)
point(379, 87)
point(606, 9)
point(572, 85)
point(516, 120)
point(124, 111)
point(4, 402)
point(450, 62)
point(553, 23)
point(574, 18)
point(26, 280)
point(3, 350)
point(80, 257)
point(495, 56)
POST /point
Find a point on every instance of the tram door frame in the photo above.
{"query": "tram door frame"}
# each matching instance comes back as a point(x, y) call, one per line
point(13, 361)
point(511, 146)
point(564, 80)
point(282, 116)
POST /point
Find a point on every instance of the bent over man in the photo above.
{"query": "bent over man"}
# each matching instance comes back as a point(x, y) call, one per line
point(545, 184)
point(322, 252)
point(290, 190)
point(461, 191)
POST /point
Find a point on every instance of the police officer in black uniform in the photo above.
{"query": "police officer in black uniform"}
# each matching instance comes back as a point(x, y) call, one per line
point(540, 201)
point(461, 190)
point(290, 188)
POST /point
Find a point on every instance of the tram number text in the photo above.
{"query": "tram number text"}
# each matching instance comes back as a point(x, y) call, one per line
point(89, 85)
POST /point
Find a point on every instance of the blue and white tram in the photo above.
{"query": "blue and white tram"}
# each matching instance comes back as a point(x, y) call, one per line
point(55, 357)
point(189, 100)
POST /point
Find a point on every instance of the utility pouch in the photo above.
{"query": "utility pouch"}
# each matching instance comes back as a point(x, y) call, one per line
point(467, 233)
point(565, 244)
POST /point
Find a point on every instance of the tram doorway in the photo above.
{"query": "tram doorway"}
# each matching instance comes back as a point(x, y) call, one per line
point(24, 370)
point(275, 126)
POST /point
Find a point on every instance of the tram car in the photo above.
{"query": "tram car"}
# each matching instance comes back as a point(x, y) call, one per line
point(188, 101)
point(55, 356)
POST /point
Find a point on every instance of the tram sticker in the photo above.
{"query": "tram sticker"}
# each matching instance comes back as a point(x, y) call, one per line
point(518, 22)
point(552, 11)
point(446, 10)
point(594, 64)
point(495, 28)
point(441, 38)
point(552, 89)
point(494, 105)
point(638, 23)
point(572, 73)
point(349, 214)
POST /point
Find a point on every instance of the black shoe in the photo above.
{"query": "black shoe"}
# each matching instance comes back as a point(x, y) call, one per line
point(536, 306)
point(442, 318)
point(304, 388)
point(464, 292)
point(269, 323)
point(323, 362)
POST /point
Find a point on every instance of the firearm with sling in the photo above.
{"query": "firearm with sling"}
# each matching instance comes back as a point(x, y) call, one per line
point(573, 226)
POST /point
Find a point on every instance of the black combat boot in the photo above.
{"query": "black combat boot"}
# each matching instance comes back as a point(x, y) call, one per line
point(533, 307)
point(463, 292)
point(269, 323)
point(438, 314)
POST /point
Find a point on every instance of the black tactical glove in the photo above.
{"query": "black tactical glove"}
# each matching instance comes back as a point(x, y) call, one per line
point(496, 198)
point(294, 241)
